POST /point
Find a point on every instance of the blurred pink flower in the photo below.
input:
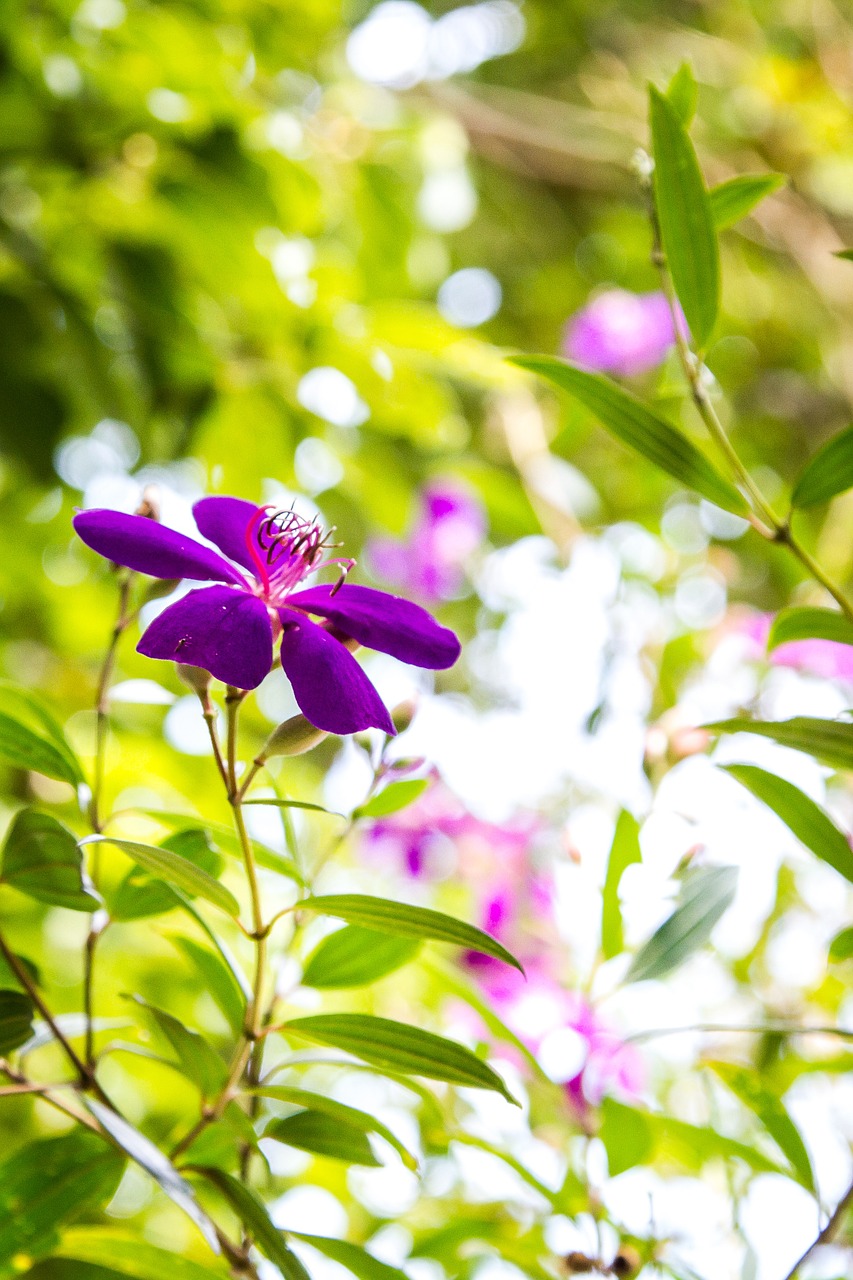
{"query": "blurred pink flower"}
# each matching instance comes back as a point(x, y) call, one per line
point(620, 332)
point(827, 658)
point(430, 562)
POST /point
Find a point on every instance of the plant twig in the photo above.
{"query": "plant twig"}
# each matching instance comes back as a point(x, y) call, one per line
point(828, 1234)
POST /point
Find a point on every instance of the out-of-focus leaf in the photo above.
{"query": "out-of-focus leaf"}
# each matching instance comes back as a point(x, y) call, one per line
point(357, 1260)
point(406, 921)
point(196, 1059)
point(841, 947)
point(41, 858)
point(337, 1111)
point(393, 798)
point(22, 707)
point(253, 1214)
point(321, 1135)
point(16, 1020)
point(682, 92)
point(385, 1043)
point(707, 892)
point(228, 841)
point(217, 978)
point(21, 747)
point(48, 1183)
point(355, 957)
point(131, 1256)
point(799, 812)
point(150, 1158)
point(176, 870)
point(624, 850)
point(830, 741)
point(685, 219)
point(736, 197)
point(654, 1135)
point(828, 473)
point(140, 895)
point(773, 1116)
point(639, 428)
point(808, 624)
point(627, 1136)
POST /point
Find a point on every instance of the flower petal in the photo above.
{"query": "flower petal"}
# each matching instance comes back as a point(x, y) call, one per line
point(384, 622)
point(329, 685)
point(224, 521)
point(148, 547)
point(226, 632)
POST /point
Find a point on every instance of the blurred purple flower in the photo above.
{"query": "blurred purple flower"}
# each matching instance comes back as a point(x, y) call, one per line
point(430, 563)
point(827, 658)
point(620, 332)
point(230, 629)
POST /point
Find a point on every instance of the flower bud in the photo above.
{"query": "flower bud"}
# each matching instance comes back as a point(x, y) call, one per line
point(626, 1263)
point(404, 713)
point(292, 738)
point(159, 587)
point(196, 677)
point(579, 1264)
point(149, 507)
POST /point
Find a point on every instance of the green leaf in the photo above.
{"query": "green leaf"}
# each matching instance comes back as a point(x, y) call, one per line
point(830, 741)
point(683, 92)
point(814, 828)
point(773, 1116)
point(630, 421)
point(131, 1256)
point(392, 1045)
point(847, 254)
point(229, 842)
point(735, 198)
point(624, 851)
point(50, 1182)
point(21, 747)
point(195, 1057)
point(150, 1158)
point(217, 978)
point(253, 1214)
point(841, 947)
point(808, 624)
point(23, 707)
point(322, 1136)
point(16, 1020)
point(41, 858)
point(176, 870)
point(651, 1137)
point(405, 921)
point(338, 1111)
point(685, 219)
point(393, 798)
point(828, 473)
point(140, 895)
point(707, 892)
point(355, 957)
point(357, 1260)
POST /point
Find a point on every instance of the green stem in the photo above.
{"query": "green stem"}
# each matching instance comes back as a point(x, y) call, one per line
point(32, 991)
point(829, 1232)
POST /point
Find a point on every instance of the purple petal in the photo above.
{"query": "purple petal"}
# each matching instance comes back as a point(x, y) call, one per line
point(224, 521)
point(384, 622)
point(152, 548)
point(329, 685)
point(226, 632)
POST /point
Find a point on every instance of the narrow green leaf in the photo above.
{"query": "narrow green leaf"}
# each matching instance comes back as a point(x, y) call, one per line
point(21, 747)
point(847, 254)
point(706, 893)
point(735, 198)
point(150, 1158)
point(176, 870)
point(41, 858)
point(639, 428)
point(841, 947)
point(355, 957)
point(253, 1214)
point(140, 895)
point(217, 978)
point(655, 1136)
point(322, 1136)
point(384, 1043)
point(48, 1183)
point(337, 1111)
point(131, 1256)
point(23, 706)
point(830, 741)
point(685, 219)
point(357, 1260)
point(283, 803)
point(773, 1116)
point(828, 473)
point(800, 814)
point(624, 851)
point(16, 1020)
point(393, 798)
point(808, 624)
point(195, 1057)
point(228, 841)
point(683, 92)
point(406, 921)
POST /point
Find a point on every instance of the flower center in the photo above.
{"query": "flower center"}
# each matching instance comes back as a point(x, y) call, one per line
point(285, 548)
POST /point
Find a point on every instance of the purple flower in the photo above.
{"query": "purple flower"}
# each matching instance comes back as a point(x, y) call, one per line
point(827, 658)
point(229, 629)
point(620, 332)
point(430, 563)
